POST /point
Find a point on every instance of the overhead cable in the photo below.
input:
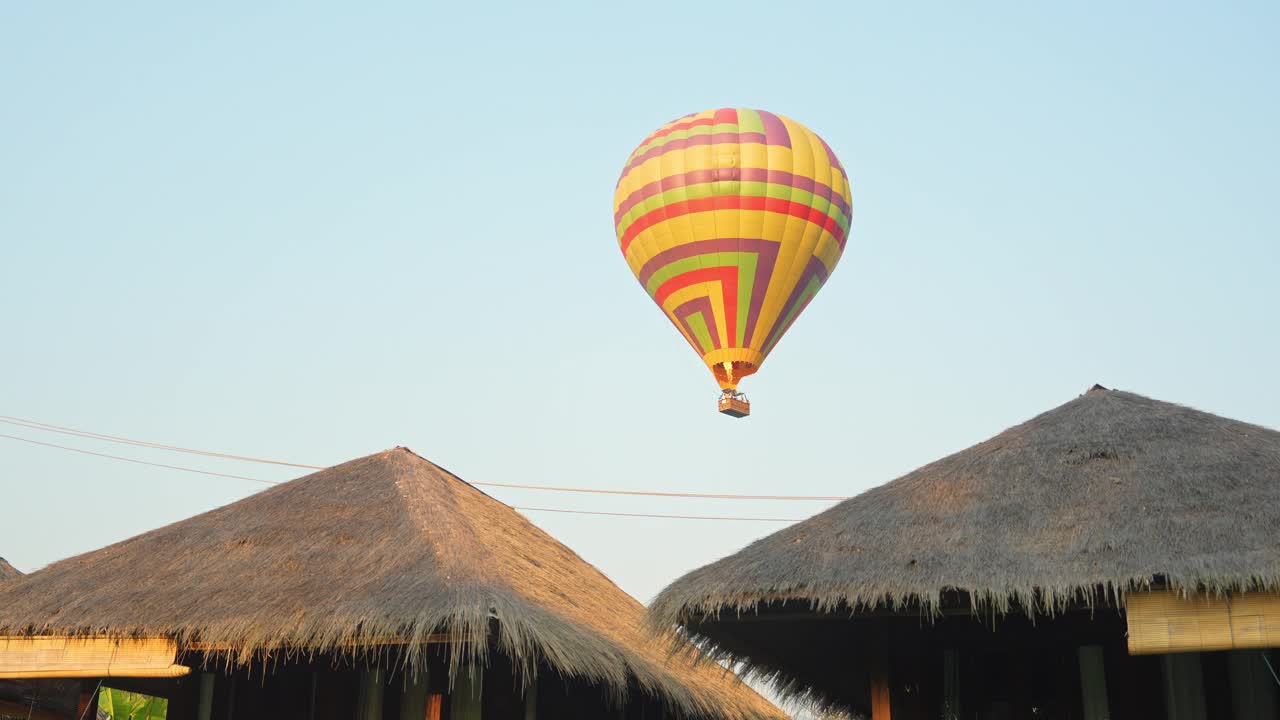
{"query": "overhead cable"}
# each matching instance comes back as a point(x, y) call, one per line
point(47, 427)
point(278, 482)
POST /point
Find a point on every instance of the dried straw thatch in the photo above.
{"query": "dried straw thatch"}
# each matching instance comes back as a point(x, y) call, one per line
point(388, 546)
point(1109, 492)
point(7, 571)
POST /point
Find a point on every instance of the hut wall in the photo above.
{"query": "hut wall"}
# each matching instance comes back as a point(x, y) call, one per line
point(332, 689)
point(503, 691)
point(1255, 692)
point(1008, 668)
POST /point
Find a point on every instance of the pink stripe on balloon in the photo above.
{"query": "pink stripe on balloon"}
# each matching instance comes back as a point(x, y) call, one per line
point(699, 305)
point(698, 177)
point(813, 269)
point(693, 141)
point(775, 131)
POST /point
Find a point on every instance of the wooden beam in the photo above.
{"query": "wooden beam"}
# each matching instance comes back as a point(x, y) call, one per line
point(39, 656)
point(1166, 622)
point(433, 639)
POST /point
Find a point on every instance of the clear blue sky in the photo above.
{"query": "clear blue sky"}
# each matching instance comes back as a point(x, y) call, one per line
point(313, 233)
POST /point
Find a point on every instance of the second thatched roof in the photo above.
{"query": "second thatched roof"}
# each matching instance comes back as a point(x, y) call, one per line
point(384, 548)
point(7, 571)
point(1110, 491)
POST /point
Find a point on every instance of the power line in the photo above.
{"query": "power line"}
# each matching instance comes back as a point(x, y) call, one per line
point(277, 482)
point(648, 515)
point(658, 493)
point(35, 425)
point(139, 462)
point(47, 427)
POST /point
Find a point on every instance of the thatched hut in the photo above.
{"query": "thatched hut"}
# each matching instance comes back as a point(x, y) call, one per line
point(34, 699)
point(384, 587)
point(1025, 576)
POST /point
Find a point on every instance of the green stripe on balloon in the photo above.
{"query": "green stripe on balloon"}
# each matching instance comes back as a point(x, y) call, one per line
point(749, 121)
point(679, 267)
point(730, 188)
point(699, 326)
point(744, 261)
point(746, 284)
point(685, 133)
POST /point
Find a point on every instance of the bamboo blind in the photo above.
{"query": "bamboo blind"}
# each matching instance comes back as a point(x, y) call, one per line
point(1165, 622)
point(75, 657)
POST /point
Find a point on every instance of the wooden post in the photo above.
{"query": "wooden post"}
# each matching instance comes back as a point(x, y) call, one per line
point(950, 685)
point(881, 698)
point(1093, 683)
point(204, 705)
point(231, 698)
point(1183, 687)
point(531, 701)
point(87, 708)
point(183, 694)
point(369, 705)
point(467, 694)
point(435, 707)
point(413, 698)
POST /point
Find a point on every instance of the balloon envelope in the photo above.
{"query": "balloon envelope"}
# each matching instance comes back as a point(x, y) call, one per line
point(732, 219)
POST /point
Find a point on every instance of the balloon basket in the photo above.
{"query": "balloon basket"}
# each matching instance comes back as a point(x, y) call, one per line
point(734, 404)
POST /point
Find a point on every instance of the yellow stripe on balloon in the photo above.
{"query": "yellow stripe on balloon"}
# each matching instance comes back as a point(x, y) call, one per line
point(828, 251)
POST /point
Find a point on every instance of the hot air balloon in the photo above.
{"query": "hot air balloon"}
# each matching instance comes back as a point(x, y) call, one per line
point(732, 220)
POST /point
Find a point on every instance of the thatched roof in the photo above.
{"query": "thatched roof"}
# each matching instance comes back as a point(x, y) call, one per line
point(7, 571)
point(386, 546)
point(1110, 491)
